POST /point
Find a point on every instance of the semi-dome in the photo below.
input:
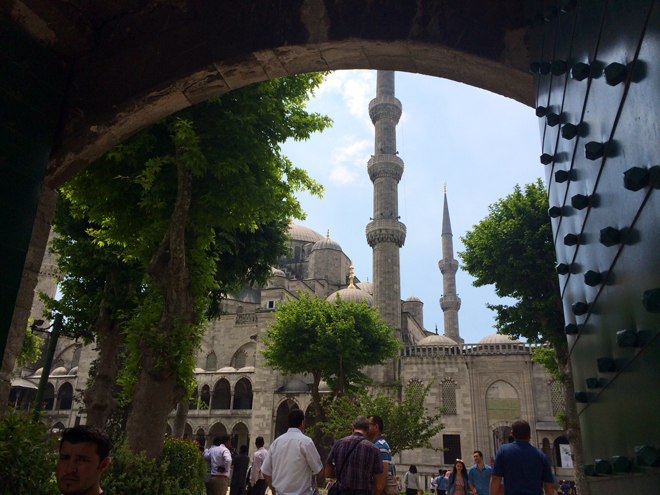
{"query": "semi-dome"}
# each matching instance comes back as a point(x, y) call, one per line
point(277, 272)
point(413, 299)
point(227, 369)
point(295, 385)
point(38, 373)
point(200, 370)
point(73, 371)
point(326, 243)
point(61, 371)
point(304, 234)
point(436, 340)
point(366, 286)
point(498, 338)
point(354, 294)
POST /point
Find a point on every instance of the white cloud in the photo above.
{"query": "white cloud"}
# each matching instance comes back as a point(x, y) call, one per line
point(350, 161)
point(342, 175)
point(357, 89)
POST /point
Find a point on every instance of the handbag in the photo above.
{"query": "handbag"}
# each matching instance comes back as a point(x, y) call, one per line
point(334, 489)
point(391, 485)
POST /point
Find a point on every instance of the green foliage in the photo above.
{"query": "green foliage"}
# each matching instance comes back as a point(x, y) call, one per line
point(30, 348)
point(546, 358)
point(513, 249)
point(28, 455)
point(179, 471)
point(408, 424)
point(332, 341)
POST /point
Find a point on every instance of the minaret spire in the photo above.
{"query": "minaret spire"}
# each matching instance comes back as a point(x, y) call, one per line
point(385, 234)
point(449, 302)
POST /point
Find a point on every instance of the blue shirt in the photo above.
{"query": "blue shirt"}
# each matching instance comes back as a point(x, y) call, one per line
point(523, 467)
point(441, 483)
point(385, 455)
point(480, 479)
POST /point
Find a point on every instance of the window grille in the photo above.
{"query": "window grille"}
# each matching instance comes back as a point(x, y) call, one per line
point(557, 397)
point(240, 360)
point(416, 386)
point(211, 362)
point(452, 446)
point(449, 396)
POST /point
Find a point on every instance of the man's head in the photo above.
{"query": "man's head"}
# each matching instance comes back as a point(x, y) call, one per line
point(361, 424)
point(259, 442)
point(441, 472)
point(296, 419)
point(520, 430)
point(225, 440)
point(478, 457)
point(217, 441)
point(375, 427)
point(243, 450)
point(83, 458)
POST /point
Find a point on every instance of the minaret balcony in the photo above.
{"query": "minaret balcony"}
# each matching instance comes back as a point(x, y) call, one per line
point(385, 230)
point(450, 302)
point(448, 265)
point(385, 107)
point(385, 165)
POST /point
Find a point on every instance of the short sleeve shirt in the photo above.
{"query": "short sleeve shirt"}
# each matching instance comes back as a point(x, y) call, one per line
point(523, 467)
point(354, 472)
point(385, 455)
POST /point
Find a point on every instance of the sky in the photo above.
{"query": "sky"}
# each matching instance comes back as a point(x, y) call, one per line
point(477, 143)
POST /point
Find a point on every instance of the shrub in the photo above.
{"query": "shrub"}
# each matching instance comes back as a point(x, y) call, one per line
point(28, 456)
point(180, 471)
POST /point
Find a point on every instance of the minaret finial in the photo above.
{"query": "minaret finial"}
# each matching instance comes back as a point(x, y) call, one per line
point(327, 236)
point(350, 279)
point(445, 188)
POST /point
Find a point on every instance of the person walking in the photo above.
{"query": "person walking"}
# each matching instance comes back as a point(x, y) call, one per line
point(292, 460)
point(354, 461)
point(479, 475)
point(239, 471)
point(457, 484)
point(411, 480)
point(524, 468)
point(257, 482)
point(441, 482)
point(207, 459)
point(220, 457)
point(375, 435)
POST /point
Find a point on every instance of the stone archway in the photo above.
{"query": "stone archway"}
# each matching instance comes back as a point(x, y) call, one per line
point(281, 422)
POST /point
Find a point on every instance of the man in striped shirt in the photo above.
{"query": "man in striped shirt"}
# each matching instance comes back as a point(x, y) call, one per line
point(375, 435)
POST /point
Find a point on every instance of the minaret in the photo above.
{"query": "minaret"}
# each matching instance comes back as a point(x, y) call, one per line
point(385, 234)
point(449, 302)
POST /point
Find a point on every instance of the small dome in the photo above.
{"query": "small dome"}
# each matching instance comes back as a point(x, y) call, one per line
point(436, 340)
point(413, 299)
point(497, 338)
point(366, 286)
point(200, 370)
point(356, 295)
point(324, 387)
point(226, 369)
point(295, 385)
point(277, 272)
point(38, 372)
point(326, 243)
point(304, 234)
point(247, 369)
point(61, 371)
point(73, 371)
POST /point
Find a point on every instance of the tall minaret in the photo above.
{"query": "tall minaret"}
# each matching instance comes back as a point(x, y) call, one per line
point(385, 234)
point(449, 302)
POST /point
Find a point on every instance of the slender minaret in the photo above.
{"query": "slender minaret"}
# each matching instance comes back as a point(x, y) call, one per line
point(449, 302)
point(385, 234)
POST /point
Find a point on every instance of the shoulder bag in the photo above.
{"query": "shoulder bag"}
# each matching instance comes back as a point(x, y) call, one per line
point(334, 489)
point(392, 485)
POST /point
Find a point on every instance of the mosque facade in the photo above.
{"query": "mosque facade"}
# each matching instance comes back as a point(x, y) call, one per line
point(483, 387)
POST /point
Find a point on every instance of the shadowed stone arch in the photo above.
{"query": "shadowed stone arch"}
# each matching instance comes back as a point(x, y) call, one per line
point(281, 416)
point(216, 429)
point(64, 397)
point(243, 394)
point(221, 395)
point(240, 435)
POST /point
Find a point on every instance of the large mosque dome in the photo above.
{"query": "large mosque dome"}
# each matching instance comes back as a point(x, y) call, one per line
point(436, 340)
point(366, 286)
point(304, 234)
point(352, 294)
point(326, 243)
point(497, 338)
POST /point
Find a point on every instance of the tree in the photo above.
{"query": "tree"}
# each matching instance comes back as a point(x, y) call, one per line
point(166, 197)
point(329, 341)
point(513, 249)
point(407, 422)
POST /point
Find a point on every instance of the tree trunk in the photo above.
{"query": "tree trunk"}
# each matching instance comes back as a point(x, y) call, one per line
point(179, 427)
point(157, 390)
point(571, 420)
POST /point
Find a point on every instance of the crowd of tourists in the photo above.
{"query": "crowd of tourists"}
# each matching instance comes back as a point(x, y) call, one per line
point(359, 464)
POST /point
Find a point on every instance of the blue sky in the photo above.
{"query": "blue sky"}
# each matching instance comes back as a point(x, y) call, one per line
point(478, 143)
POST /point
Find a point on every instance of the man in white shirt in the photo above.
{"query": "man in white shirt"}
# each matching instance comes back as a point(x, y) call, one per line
point(220, 466)
point(257, 481)
point(292, 460)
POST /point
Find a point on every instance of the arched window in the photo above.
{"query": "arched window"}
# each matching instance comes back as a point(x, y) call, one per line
point(282, 417)
point(187, 431)
point(243, 394)
point(449, 396)
point(546, 448)
point(65, 397)
point(49, 397)
point(240, 436)
point(200, 438)
point(240, 359)
point(557, 397)
point(217, 429)
point(205, 397)
point(211, 362)
point(221, 395)
point(194, 398)
point(563, 453)
point(297, 253)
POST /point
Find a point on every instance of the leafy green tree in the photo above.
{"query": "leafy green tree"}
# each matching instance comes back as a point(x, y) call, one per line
point(408, 424)
point(166, 197)
point(512, 248)
point(331, 341)
point(31, 347)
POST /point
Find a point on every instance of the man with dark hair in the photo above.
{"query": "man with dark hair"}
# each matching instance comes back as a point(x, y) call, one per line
point(83, 458)
point(441, 482)
point(257, 481)
point(207, 480)
point(375, 435)
point(354, 461)
point(292, 460)
point(220, 457)
point(479, 475)
point(239, 467)
point(524, 468)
